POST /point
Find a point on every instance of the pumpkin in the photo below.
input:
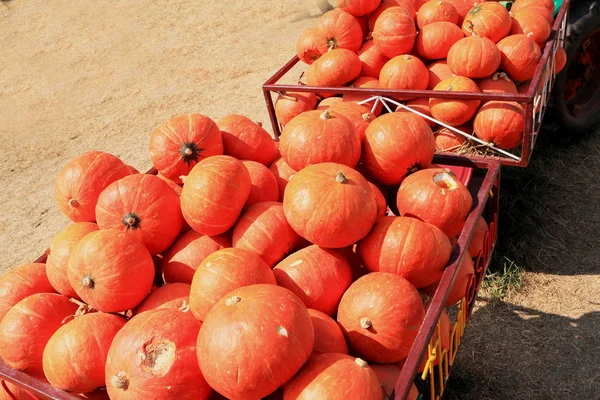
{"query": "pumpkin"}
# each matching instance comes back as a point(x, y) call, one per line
point(388, 375)
point(474, 57)
point(526, 22)
point(436, 11)
point(379, 200)
point(341, 30)
point(489, 19)
point(394, 32)
point(328, 335)
point(143, 207)
point(334, 376)
point(328, 102)
point(308, 44)
point(75, 355)
point(420, 104)
point(110, 270)
point(408, 6)
point(404, 72)
point(59, 252)
point(464, 283)
point(462, 7)
point(540, 7)
point(380, 315)
point(334, 68)
point(181, 142)
point(371, 59)
point(27, 327)
point(274, 344)
point(264, 185)
point(163, 294)
point(454, 112)
point(497, 83)
point(413, 249)
point(364, 82)
point(358, 8)
point(152, 357)
point(520, 56)
point(283, 173)
point(214, 194)
point(500, 123)
point(435, 196)
point(181, 260)
point(478, 238)
point(132, 169)
point(10, 391)
point(175, 186)
point(247, 140)
point(264, 230)
point(323, 193)
point(319, 136)
point(357, 114)
point(435, 39)
point(290, 104)
point(319, 277)
point(438, 71)
point(222, 272)
point(21, 282)
point(560, 59)
point(447, 140)
point(413, 147)
point(364, 25)
point(80, 182)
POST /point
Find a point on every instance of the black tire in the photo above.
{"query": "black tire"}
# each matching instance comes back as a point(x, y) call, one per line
point(578, 123)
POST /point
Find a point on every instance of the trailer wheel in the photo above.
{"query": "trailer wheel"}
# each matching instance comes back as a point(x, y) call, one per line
point(577, 89)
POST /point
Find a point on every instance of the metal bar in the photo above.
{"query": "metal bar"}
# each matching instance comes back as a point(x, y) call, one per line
point(33, 385)
point(272, 115)
point(282, 71)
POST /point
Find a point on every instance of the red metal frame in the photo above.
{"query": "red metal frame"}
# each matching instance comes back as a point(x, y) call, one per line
point(539, 89)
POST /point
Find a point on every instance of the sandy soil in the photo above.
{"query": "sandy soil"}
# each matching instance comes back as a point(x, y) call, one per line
point(76, 76)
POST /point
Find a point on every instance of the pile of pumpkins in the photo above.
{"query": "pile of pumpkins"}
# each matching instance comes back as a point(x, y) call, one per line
point(445, 45)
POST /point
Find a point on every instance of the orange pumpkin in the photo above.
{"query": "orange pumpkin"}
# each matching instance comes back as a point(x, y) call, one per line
point(308, 44)
point(246, 140)
point(328, 192)
point(489, 19)
point(453, 111)
point(526, 22)
point(372, 60)
point(319, 277)
point(341, 30)
point(214, 194)
point(58, 255)
point(75, 355)
point(162, 295)
point(283, 173)
point(413, 249)
point(328, 335)
point(408, 6)
point(222, 272)
point(520, 56)
point(379, 200)
point(28, 326)
point(435, 39)
point(143, 207)
point(80, 182)
point(420, 104)
point(560, 60)
point(476, 243)
point(394, 32)
point(290, 104)
point(388, 375)
point(328, 102)
point(334, 68)
point(438, 71)
point(436, 11)
point(540, 7)
point(110, 270)
point(364, 82)
point(358, 8)
point(497, 83)
point(359, 115)
point(132, 169)
point(380, 315)
point(462, 7)
point(263, 183)
point(500, 123)
point(435, 196)
point(463, 285)
point(286, 327)
point(474, 57)
point(413, 149)
point(153, 357)
point(181, 260)
point(181, 142)
point(21, 282)
point(447, 140)
point(334, 376)
point(10, 391)
point(319, 136)
point(175, 186)
point(404, 72)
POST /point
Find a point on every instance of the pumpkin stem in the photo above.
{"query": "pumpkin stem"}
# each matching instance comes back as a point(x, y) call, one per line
point(233, 300)
point(183, 306)
point(87, 282)
point(407, 57)
point(360, 362)
point(282, 331)
point(439, 3)
point(183, 178)
point(445, 180)
point(331, 44)
point(131, 221)
point(469, 25)
point(259, 123)
point(190, 152)
point(366, 117)
point(73, 203)
point(120, 380)
point(341, 178)
point(300, 79)
point(365, 323)
point(325, 115)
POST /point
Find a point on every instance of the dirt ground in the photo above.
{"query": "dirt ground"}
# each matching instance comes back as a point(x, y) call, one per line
point(77, 76)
